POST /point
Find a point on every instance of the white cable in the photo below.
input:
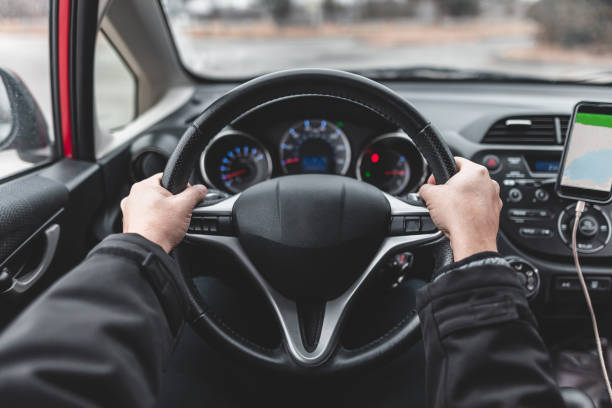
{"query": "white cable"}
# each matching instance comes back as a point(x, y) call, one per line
point(579, 209)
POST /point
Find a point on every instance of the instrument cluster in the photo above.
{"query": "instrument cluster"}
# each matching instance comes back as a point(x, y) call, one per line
point(235, 160)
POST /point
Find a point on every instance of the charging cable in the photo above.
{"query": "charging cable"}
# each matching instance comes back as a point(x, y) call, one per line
point(579, 210)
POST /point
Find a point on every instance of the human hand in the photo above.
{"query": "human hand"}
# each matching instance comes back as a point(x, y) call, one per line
point(466, 209)
point(153, 212)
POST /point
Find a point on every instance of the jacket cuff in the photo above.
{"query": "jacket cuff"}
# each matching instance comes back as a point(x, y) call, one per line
point(474, 292)
point(481, 258)
point(159, 269)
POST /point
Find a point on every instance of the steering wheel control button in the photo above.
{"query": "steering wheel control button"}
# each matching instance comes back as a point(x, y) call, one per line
point(593, 228)
point(542, 195)
point(211, 225)
point(527, 274)
point(412, 225)
point(491, 162)
point(427, 224)
point(397, 225)
point(401, 225)
point(515, 195)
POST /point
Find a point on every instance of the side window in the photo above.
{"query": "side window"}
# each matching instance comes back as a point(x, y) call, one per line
point(26, 134)
point(114, 87)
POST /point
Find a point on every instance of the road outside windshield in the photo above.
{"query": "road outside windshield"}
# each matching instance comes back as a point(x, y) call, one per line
point(588, 158)
point(552, 39)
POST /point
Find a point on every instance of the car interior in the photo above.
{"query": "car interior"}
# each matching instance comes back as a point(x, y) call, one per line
point(295, 308)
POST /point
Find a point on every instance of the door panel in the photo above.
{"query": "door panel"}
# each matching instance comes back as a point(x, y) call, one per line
point(46, 220)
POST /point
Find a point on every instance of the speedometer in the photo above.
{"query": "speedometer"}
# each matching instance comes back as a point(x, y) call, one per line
point(315, 146)
point(234, 161)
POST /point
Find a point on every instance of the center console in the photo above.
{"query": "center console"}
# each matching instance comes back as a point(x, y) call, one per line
point(533, 217)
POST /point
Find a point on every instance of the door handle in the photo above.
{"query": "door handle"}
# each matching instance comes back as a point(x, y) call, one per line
point(25, 280)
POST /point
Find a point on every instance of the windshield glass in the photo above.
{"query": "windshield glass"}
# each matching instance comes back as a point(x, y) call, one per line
point(440, 39)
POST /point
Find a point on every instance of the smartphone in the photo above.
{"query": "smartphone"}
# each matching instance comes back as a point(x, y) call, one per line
point(586, 165)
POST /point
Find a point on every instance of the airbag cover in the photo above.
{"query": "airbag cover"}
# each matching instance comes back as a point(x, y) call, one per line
point(311, 236)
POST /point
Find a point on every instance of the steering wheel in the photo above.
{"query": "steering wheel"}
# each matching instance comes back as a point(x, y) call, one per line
point(309, 242)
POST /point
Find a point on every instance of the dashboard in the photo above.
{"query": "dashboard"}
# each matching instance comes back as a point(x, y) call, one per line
point(312, 135)
point(515, 130)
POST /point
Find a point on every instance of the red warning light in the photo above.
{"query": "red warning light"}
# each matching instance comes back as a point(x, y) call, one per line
point(375, 157)
point(492, 162)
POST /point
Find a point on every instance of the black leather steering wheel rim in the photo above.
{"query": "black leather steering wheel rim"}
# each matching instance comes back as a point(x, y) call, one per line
point(324, 82)
point(321, 82)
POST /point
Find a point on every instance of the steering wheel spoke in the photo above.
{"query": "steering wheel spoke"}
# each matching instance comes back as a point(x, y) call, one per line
point(215, 219)
point(410, 218)
point(325, 329)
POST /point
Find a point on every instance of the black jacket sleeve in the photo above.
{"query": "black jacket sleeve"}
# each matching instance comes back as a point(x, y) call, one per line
point(100, 336)
point(482, 345)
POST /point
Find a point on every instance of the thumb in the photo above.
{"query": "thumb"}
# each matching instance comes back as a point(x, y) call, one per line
point(191, 196)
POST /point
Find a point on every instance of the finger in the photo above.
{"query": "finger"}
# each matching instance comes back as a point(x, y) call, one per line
point(460, 161)
point(431, 180)
point(496, 186)
point(122, 205)
point(154, 179)
point(191, 196)
point(428, 192)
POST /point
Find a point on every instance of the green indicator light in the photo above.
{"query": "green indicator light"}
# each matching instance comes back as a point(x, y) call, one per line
point(367, 174)
point(340, 124)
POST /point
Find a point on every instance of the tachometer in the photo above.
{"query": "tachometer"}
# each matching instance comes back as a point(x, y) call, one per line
point(392, 163)
point(234, 161)
point(315, 146)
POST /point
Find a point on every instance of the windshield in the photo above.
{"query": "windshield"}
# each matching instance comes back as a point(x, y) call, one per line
point(442, 39)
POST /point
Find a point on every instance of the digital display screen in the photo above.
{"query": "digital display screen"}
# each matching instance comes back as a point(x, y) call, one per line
point(546, 166)
point(314, 164)
point(588, 157)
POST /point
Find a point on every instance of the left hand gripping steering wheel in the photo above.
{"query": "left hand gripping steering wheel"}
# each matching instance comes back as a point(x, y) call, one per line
point(310, 238)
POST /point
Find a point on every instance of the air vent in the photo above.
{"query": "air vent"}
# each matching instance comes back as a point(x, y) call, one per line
point(541, 130)
point(563, 124)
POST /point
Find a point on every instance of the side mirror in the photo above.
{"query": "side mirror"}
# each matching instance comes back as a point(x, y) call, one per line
point(22, 124)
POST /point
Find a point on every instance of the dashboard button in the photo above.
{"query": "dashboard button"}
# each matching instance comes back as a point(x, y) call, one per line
point(515, 195)
point(600, 284)
point(529, 232)
point(588, 226)
point(491, 162)
point(542, 195)
point(515, 212)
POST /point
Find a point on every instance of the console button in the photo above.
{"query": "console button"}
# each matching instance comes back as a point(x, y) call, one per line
point(544, 232)
point(528, 275)
point(491, 162)
point(593, 229)
point(528, 232)
point(542, 195)
point(567, 283)
point(515, 195)
point(599, 284)
point(588, 226)
point(515, 212)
